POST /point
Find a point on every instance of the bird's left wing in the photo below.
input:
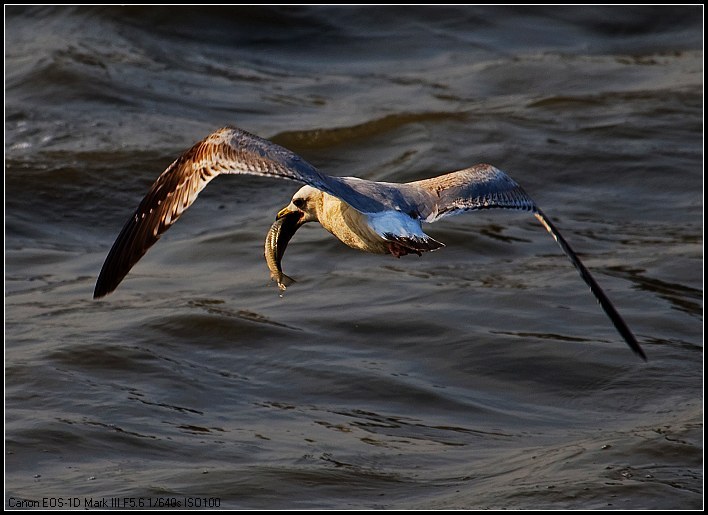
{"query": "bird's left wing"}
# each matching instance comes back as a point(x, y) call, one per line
point(226, 151)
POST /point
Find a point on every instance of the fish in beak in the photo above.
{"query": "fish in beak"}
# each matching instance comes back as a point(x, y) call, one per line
point(287, 222)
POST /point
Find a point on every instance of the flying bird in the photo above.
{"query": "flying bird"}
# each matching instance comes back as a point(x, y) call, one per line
point(377, 217)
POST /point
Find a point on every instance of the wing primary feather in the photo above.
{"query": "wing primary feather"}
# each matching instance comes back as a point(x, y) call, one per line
point(169, 196)
point(600, 295)
point(485, 187)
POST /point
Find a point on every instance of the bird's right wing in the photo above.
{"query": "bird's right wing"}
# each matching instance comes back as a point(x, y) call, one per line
point(479, 187)
point(486, 187)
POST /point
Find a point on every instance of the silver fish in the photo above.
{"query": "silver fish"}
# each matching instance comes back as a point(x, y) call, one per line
point(275, 244)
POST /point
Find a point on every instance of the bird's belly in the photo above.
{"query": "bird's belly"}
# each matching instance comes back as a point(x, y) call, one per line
point(352, 228)
point(371, 242)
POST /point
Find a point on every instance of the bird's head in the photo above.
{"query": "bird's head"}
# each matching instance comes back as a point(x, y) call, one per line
point(305, 204)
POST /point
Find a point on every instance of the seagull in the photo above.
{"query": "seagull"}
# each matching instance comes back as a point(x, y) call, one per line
point(377, 217)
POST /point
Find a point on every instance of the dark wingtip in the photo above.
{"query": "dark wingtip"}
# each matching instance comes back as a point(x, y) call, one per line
point(609, 308)
point(101, 289)
point(97, 294)
point(108, 280)
point(631, 340)
point(639, 352)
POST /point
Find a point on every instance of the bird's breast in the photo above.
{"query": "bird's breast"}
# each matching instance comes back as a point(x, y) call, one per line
point(350, 226)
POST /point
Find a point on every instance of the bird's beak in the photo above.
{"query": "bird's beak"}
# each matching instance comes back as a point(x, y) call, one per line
point(288, 211)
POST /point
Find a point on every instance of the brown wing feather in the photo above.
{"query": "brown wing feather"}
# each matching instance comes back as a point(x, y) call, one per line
point(171, 194)
point(228, 150)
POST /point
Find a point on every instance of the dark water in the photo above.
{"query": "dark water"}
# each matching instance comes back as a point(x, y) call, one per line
point(481, 376)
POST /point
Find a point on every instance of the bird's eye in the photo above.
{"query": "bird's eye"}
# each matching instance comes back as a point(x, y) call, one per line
point(299, 203)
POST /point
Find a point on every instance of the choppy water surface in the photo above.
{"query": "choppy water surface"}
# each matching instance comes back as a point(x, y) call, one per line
point(480, 376)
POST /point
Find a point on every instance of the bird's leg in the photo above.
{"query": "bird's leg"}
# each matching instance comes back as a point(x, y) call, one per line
point(399, 250)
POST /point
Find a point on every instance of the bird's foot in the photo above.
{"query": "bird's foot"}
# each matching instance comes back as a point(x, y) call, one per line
point(399, 250)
